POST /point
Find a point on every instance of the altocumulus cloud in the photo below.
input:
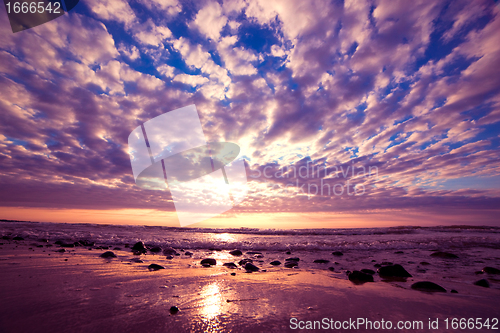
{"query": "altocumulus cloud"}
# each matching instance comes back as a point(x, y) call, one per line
point(412, 88)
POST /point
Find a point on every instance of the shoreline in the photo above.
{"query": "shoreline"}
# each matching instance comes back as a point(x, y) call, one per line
point(77, 291)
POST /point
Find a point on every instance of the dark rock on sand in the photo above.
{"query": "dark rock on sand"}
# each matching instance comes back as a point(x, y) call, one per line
point(233, 274)
point(331, 268)
point(321, 261)
point(424, 263)
point(482, 283)
point(444, 255)
point(155, 267)
point(174, 310)
point(188, 253)
point(293, 259)
point(337, 253)
point(275, 263)
point(251, 267)
point(399, 252)
point(67, 245)
point(6, 237)
point(242, 262)
point(61, 250)
point(491, 270)
point(453, 291)
point(236, 253)
point(253, 253)
point(108, 254)
point(377, 265)
point(170, 251)
point(209, 261)
point(368, 271)
point(116, 248)
point(288, 252)
point(139, 247)
point(360, 277)
point(291, 264)
point(85, 242)
point(428, 287)
point(19, 238)
point(393, 271)
point(230, 265)
point(169, 256)
point(156, 249)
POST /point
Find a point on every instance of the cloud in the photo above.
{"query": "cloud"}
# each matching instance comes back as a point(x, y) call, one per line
point(210, 20)
point(410, 88)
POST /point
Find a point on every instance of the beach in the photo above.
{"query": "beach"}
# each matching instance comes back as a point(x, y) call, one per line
point(53, 281)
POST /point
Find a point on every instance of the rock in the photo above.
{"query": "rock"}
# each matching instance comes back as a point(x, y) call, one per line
point(321, 261)
point(491, 270)
point(478, 272)
point(116, 248)
point(444, 255)
point(331, 268)
point(19, 238)
point(137, 260)
point(233, 274)
point(453, 291)
point(377, 265)
point(108, 254)
point(275, 263)
point(155, 249)
point(230, 265)
point(61, 250)
point(359, 277)
point(292, 259)
point(209, 261)
point(6, 237)
point(399, 252)
point(337, 253)
point(67, 245)
point(482, 283)
point(174, 310)
point(424, 263)
point(386, 263)
point(393, 271)
point(291, 264)
point(251, 267)
point(242, 262)
point(252, 253)
point(169, 256)
point(428, 287)
point(188, 253)
point(155, 267)
point(368, 271)
point(139, 247)
point(170, 251)
point(236, 253)
point(85, 242)
point(288, 252)
point(336, 263)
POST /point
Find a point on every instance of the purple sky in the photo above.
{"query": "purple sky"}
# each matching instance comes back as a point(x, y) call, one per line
point(408, 88)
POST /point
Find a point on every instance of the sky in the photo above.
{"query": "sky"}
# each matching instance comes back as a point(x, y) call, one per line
point(391, 107)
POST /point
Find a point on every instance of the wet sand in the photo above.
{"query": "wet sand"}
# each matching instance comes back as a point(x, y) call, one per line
point(77, 291)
